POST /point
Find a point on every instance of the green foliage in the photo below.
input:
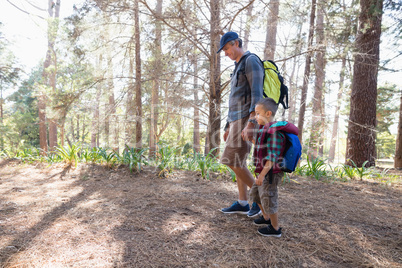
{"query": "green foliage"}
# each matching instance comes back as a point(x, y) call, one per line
point(90, 155)
point(107, 158)
point(349, 171)
point(387, 107)
point(69, 153)
point(315, 167)
point(134, 158)
point(338, 173)
point(206, 163)
point(361, 171)
point(385, 177)
point(165, 156)
point(27, 154)
point(385, 144)
point(169, 157)
point(52, 158)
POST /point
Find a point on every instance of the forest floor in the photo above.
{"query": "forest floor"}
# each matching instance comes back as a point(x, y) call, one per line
point(90, 216)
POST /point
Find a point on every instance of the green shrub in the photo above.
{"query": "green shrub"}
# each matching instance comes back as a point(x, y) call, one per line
point(315, 167)
point(134, 158)
point(69, 153)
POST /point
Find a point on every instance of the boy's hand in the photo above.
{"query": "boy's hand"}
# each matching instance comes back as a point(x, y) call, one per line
point(260, 179)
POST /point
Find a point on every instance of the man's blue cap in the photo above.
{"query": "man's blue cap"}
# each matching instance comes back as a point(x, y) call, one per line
point(229, 36)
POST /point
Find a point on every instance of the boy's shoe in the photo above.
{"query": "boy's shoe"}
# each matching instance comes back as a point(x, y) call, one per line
point(236, 208)
point(262, 221)
point(270, 231)
point(254, 211)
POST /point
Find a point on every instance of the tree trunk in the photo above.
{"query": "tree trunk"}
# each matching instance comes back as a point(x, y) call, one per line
point(111, 140)
point(1, 117)
point(306, 77)
point(321, 139)
point(42, 123)
point(214, 119)
point(95, 118)
point(317, 128)
point(337, 107)
point(83, 130)
point(77, 138)
point(249, 20)
point(62, 132)
point(362, 119)
point(293, 85)
point(155, 86)
point(138, 93)
point(272, 25)
point(72, 130)
point(49, 77)
point(130, 109)
point(398, 149)
point(52, 77)
point(196, 130)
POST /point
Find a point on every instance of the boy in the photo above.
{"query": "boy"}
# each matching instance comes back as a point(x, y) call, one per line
point(267, 151)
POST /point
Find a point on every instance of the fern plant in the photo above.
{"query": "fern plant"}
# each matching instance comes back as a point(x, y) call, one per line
point(315, 167)
point(349, 171)
point(134, 158)
point(206, 163)
point(69, 153)
point(108, 158)
point(361, 171)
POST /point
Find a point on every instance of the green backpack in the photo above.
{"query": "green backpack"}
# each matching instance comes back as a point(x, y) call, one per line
point(273, 83)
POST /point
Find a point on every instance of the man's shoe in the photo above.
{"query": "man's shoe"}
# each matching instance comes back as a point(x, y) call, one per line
point(262, 221)
point(270, 231)
point(254, 211)
point(236, 208)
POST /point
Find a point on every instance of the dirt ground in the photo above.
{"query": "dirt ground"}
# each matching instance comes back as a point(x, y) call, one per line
point(90, 216)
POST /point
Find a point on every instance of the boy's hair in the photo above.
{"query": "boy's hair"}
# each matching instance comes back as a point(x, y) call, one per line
point(269, 105)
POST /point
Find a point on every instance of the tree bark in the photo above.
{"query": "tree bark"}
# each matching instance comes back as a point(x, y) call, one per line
point(214, 118)
point(293, 85)
point(362, 119)
point(155, 83)
point(249, 20)
point(130, 109)
point(306, 73)
point(49, 77)
point(196, 130)
point(52, 78)
point(95, 118)
point(272, 25)
point(398, 149)
point(334, 135)
point(317, 128)
point(1, 116)
point(138, 93)
point(42, 123)
point(111, 106)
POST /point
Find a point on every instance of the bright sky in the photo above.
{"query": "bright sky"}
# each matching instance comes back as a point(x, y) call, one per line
point(27, 33)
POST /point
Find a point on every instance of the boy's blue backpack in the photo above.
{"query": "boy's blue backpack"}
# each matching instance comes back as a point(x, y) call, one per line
point(291, 153)
point(293, 149)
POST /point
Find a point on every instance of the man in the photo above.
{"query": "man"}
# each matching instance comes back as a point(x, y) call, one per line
point(246, 90)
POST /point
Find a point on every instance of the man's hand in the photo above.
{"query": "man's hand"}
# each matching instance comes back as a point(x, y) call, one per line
point(248, 132)
point(225, 135)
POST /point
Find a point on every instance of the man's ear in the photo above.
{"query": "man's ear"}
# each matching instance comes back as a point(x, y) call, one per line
point(268, 113)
